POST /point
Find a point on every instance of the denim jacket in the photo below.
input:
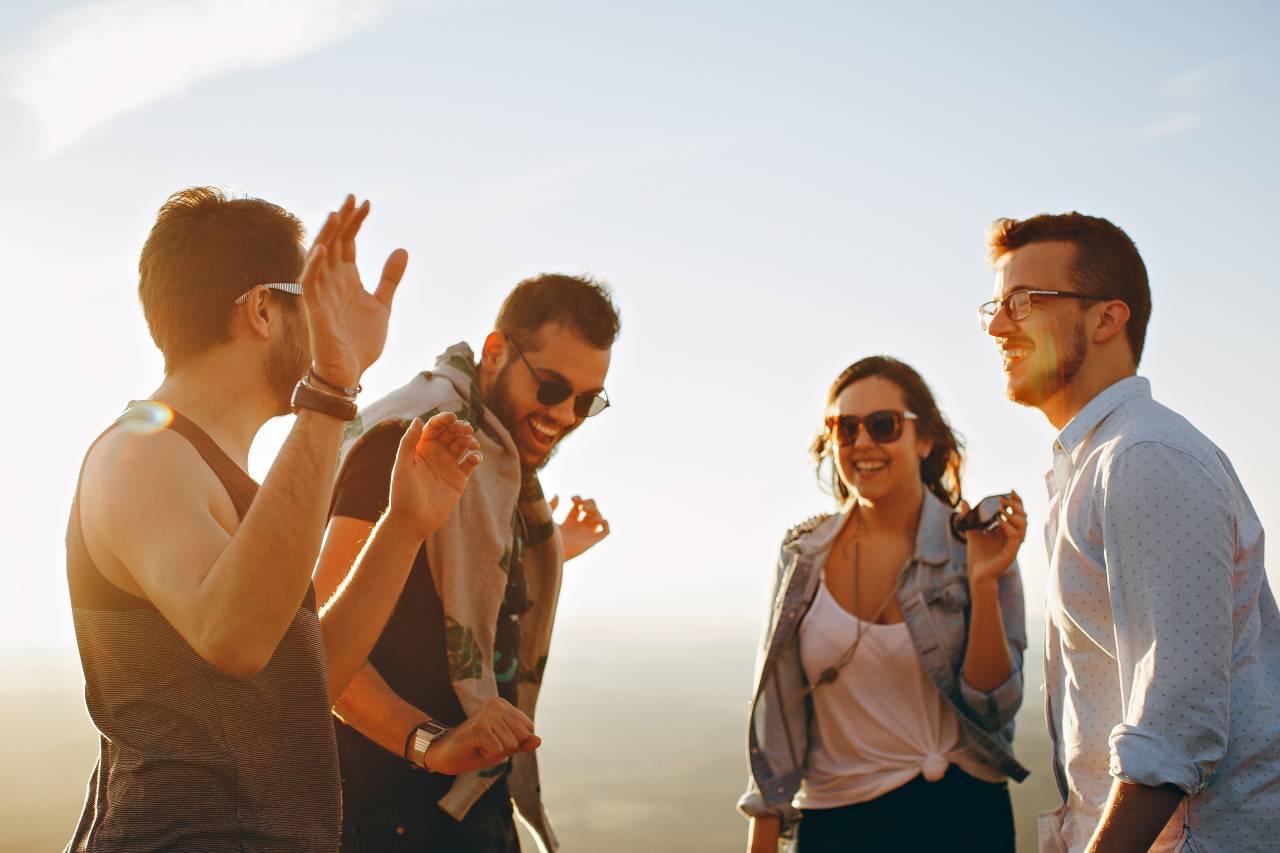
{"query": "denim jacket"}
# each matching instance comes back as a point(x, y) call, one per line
point(934, 598)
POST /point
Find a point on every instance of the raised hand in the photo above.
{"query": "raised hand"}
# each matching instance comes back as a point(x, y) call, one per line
point(989, 553)
point(347, 324)
point(493, 733)
point(432, 468)
point(583, 527)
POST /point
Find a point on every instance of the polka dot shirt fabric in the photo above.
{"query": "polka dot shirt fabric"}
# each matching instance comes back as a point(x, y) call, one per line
point(1162, 654)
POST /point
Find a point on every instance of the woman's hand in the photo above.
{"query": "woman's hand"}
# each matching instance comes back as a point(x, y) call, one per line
point(990, 553)
point(432, 468)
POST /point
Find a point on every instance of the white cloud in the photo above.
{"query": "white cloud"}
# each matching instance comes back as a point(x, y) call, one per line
point(89, 64)
point(1184, 92)
point(1172, 125)
point(1194, 83)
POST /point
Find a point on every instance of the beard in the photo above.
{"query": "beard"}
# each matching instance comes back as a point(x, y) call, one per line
point(288, 360)
point(1040, 387)
point(500, 402)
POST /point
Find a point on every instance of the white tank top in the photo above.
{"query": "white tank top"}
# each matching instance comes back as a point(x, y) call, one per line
point(882, 722)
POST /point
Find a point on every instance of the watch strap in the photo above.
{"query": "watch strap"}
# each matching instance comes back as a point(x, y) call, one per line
point(420, 740)
point(306, 397)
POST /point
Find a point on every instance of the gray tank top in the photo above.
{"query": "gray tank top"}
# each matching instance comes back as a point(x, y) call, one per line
point(191, 758)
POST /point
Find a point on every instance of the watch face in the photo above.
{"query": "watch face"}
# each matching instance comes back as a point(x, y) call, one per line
point(428, 732)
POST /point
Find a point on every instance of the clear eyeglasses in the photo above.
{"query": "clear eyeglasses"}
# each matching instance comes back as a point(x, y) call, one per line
point(1019, 304)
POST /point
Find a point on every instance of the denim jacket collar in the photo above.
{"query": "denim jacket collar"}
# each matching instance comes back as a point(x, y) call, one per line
point(932, 536)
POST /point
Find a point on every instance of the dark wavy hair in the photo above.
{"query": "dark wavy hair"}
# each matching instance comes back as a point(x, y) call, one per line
point(940, 470)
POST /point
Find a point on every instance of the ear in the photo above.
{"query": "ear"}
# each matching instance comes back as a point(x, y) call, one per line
point(1111, 322)
point(493, 354)
point(924, 446)
point(255, 315)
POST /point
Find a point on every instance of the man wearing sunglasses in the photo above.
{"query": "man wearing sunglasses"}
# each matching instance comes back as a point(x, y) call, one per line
point(434, 742)
point(1162, 658)
point(208, 666)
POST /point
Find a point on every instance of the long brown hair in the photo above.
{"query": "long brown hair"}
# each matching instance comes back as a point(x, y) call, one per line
point(940, 470)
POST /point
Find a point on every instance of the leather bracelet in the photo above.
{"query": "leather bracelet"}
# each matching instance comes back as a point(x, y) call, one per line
point(306, 397)
point(348, 391)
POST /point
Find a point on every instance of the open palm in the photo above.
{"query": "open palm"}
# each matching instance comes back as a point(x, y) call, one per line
point(347, 324)
point(432, 468)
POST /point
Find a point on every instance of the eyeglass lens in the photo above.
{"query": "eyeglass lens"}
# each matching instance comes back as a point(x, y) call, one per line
point(1018, 305)
point(551, 392)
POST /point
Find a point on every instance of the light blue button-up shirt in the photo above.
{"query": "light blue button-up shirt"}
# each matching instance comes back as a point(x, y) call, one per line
point(1162, 654)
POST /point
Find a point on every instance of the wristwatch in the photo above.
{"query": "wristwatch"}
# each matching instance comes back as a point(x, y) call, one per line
point(420, 739)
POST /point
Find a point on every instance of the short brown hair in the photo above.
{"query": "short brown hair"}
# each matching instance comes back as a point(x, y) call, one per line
point(579, 302)
point(205, 249)
point(940, 470)
point(1107, 262)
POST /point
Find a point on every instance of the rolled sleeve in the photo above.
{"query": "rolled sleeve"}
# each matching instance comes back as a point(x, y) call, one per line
point(1143, 758)
point(1168, 543)
point(995, 707)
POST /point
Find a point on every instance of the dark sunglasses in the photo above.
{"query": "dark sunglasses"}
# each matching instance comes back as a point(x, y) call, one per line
point(552, 392)
point(884, 426)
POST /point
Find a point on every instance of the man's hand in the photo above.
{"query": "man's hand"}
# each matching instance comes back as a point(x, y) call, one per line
point(583, 527)
point(990, 553)
point(347, 324)
point(432, 468)
point(493, 733)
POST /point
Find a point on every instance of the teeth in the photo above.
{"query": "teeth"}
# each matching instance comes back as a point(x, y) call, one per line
point(544, 430)
point(1014, 353)
point(868, 466)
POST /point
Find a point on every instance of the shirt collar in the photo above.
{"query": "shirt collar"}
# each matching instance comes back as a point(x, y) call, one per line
point(1103, 404)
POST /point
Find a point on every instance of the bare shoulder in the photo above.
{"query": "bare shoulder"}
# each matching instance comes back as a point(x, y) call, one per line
point(137, 482)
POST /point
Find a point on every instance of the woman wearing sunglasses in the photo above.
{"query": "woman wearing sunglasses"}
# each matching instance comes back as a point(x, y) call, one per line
point(891, 669)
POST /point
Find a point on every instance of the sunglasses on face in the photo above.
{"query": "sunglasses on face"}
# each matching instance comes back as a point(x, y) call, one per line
point(884, 426)
point(552, 392)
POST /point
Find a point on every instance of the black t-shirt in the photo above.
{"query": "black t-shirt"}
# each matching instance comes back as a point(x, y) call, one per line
point(411, 657)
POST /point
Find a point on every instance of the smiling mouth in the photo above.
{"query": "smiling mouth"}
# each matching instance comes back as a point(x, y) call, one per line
point(869, 466)
point(545, 432)
point(1011, 356)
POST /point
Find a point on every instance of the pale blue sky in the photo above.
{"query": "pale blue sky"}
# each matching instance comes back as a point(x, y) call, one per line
point(774, 190)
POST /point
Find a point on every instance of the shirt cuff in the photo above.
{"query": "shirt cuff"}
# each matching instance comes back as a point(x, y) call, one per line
point(1144, 758)
point(997, 704)
point(752, 804)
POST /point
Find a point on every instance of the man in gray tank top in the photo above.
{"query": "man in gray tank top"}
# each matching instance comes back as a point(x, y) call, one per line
point(208, 665)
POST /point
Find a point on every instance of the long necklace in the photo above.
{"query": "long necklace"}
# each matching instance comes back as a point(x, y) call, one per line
point(832, 672)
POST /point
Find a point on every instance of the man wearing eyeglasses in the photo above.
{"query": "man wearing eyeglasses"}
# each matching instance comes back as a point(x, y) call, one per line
point(427, 762)
point(1162, 658)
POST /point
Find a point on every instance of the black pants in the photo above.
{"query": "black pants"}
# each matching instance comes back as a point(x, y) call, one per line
point(957, 813)
point(483, 830)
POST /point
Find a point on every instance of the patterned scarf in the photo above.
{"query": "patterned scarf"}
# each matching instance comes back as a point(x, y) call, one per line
point(502, 522)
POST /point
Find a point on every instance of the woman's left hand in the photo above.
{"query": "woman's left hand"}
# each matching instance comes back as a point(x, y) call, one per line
point(990, 553)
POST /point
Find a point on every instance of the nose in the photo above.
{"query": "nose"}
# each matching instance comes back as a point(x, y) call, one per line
point(863, 438)
point(1000, 325)
point(562, 413)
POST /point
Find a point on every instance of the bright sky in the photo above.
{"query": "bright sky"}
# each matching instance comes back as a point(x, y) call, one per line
point(773, 190)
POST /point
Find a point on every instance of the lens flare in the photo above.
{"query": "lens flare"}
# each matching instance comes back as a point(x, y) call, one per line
point(146, 417)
